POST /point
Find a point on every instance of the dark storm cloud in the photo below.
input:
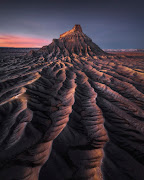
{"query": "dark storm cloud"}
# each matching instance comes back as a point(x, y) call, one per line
point(110, 23)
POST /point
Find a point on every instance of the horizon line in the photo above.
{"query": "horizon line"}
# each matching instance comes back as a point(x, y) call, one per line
point(42, 46)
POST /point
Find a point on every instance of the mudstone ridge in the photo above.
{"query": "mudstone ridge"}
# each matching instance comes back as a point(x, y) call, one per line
point(71, 111)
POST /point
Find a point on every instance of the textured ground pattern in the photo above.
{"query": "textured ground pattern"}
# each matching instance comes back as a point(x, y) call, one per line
point(70, 111)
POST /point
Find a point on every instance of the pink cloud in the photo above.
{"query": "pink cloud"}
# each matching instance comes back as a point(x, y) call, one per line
point(21, 41)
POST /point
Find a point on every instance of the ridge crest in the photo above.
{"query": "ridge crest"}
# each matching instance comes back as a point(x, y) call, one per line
point(76, 28)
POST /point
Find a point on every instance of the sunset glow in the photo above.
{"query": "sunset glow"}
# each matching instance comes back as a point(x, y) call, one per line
point(21, 41)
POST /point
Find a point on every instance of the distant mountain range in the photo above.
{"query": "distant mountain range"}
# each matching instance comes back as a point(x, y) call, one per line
point(124, 50)
point(7, 49)
point(24, 50)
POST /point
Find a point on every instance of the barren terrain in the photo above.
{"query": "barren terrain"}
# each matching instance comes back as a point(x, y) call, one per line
point(72, 111)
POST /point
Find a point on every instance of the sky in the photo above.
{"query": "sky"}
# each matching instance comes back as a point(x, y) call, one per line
point(111, 24)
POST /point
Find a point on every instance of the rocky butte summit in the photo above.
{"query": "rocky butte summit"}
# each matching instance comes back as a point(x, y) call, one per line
point(70, 111)
point(70, 43)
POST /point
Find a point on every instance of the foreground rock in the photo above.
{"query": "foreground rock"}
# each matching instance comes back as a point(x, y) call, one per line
point(62, 103)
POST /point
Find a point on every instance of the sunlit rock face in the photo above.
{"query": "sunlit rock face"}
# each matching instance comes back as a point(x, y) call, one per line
point(61, 104)
point(73, 42)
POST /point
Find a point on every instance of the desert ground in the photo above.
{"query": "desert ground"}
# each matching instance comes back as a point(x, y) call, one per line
point(70, 111)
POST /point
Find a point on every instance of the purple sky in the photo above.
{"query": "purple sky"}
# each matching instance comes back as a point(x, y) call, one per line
point(110, 23)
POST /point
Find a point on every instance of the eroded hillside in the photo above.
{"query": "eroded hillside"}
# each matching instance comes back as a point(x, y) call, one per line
point(87, 103)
